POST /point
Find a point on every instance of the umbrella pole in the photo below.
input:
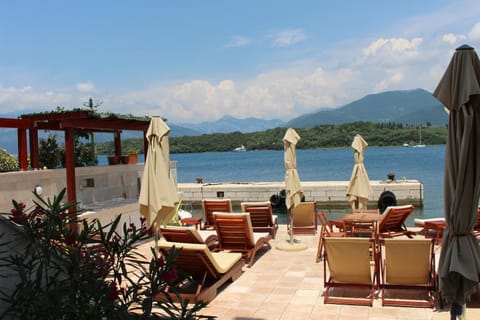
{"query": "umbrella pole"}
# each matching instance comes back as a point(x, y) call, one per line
point(291, 230)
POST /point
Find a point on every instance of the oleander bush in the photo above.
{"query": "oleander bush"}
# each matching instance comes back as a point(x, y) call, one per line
point(7, 161)
point(86, 272)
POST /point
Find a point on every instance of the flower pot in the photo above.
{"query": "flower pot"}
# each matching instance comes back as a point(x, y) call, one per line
point(113, 160)
point(132, 158)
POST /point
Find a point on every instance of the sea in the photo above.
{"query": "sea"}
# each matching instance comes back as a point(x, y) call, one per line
point(423, 164)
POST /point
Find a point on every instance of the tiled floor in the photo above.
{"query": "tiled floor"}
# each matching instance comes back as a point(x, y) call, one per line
point(288, 285)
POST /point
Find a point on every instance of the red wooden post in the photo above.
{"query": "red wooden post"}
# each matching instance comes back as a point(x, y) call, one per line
point(22, 149)
point(33, 139)
point(70, 165)
point(117, 144)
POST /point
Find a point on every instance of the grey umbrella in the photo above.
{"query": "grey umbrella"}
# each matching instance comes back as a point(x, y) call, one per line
point(459, 91)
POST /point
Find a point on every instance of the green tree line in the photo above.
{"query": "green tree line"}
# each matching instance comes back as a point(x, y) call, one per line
point(323, 136)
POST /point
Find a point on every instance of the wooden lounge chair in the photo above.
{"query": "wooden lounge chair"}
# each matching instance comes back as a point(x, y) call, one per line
point(235, 233)
point(261, 217)
point(214, 205)
point(189, 235)
point(207, 270)
point(350, 267)
point(326, 230)
point(304, 217)
point(408, 264)
point(393, 222)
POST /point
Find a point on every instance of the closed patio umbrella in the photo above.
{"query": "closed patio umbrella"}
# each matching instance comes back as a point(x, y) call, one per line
point(359, 186)
point(459, 91)
point(293, 188)
point(158, 193)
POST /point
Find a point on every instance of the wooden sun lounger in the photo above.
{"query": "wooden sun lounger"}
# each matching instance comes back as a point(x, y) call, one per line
point(189, 235)
point(214, 205)
point(208, 271)
point(235, 233)
point(392, 223)
point(261, 217)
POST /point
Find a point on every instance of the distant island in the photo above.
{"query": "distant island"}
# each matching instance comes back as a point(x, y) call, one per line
point(318, 137)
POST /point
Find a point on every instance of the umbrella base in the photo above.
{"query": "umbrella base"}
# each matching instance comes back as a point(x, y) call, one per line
point(295, 246)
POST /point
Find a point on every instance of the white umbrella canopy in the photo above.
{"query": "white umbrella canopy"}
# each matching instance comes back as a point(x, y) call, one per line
point(459, 91)
point(158, 193)
point(359, 186)
point(293, 188)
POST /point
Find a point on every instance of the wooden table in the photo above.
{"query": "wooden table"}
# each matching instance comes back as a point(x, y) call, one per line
point(437, 226)
point(362, 223)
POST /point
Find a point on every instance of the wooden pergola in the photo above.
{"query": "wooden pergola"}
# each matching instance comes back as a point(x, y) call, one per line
point(69, 122)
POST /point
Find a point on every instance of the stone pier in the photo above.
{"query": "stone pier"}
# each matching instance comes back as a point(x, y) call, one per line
point(325, 193)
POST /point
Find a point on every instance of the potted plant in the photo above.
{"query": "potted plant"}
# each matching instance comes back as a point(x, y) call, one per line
point(113, 160)
point(133, 155)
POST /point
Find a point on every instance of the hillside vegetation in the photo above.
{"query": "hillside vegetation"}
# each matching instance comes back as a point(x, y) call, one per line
point(324, 136)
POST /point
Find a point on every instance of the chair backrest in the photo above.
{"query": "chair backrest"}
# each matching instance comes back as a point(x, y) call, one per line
point(348, 259)
point(394, 218)
point(215, 205)
point(326, 229)
point(181, 234)
point(304, 215)
point(260, 213)
point(408, 261)
point(234, 230)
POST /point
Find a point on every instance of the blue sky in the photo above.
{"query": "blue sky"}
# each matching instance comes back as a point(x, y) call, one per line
point(193, 61)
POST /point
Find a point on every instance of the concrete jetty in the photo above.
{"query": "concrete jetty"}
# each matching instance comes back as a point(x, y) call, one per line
point(325, 193)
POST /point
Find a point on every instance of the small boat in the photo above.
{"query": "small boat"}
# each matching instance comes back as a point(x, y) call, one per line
point(406, 145)
point(420, 144)
point(240, 149)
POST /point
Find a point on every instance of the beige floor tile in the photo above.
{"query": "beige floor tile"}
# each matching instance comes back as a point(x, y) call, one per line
point(289, 286)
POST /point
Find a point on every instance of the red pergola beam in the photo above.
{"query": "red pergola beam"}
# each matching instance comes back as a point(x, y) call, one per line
point(105, 124)
point(69, 122)
point(14, 123)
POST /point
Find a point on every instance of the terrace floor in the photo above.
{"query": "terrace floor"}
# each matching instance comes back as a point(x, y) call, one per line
point(284, 285)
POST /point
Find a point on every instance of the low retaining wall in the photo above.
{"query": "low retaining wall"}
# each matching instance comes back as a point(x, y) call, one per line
point(325, 193)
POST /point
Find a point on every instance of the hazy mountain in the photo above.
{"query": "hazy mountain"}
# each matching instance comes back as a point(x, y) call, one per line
point(409, 106)
point(231, 124)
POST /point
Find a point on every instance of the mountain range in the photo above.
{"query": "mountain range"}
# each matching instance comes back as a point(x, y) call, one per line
point(416, 106)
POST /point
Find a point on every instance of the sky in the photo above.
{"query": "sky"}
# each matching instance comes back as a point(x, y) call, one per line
point(195, 61)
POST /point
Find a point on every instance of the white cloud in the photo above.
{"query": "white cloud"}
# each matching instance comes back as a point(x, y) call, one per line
point(394, 78)
point(392, 46)
point(238, 41)
point(453, 38)
point(26, 98)
point(85, 87)
point(287, 37)
point(474, 34)
point(283, 91)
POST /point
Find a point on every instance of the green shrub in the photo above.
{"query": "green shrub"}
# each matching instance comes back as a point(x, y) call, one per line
point(7, 161)
point(64, 273)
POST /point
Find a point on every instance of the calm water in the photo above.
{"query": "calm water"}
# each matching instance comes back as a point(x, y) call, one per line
point(424, 164)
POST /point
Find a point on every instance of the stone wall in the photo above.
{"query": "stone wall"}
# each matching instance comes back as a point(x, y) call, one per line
point(93, 184)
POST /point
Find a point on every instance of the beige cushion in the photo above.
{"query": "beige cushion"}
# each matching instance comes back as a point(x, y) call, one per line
point(222, 261)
